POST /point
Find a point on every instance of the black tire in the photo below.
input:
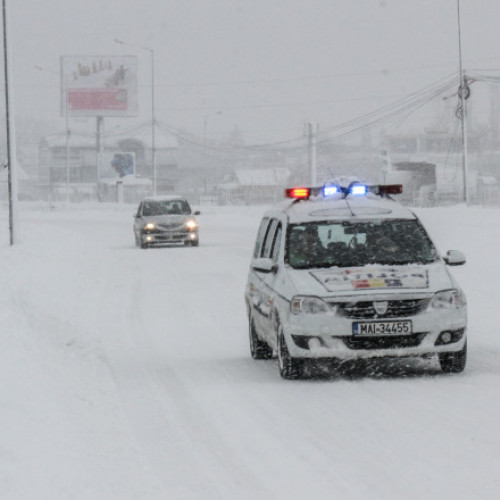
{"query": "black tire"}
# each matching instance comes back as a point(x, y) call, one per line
point(290, 368)
point(144, 245)
point(258, 348)
point(195, 243)
point(453, 362)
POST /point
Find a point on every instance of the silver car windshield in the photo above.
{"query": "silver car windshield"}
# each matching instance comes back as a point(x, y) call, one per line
point(165, 207)
point(346, 244)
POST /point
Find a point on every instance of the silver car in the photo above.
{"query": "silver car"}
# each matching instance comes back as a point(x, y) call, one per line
point(165, 220)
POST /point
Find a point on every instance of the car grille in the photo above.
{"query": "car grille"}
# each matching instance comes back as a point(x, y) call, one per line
point(171, 227)
point(392, 342)
point(395, 308)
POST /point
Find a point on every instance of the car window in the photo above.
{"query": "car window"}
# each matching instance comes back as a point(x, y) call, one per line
point(344, 244)
point(166, 207)
point(260, 237)
point(276, 242)
point(269, 239)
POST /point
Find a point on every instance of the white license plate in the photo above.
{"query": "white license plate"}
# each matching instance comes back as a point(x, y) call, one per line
point(382, 328)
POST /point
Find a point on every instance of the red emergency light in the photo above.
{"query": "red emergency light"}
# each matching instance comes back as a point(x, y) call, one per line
point(301, 193)
point(390, 188)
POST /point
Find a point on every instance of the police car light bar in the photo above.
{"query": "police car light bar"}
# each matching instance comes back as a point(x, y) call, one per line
point(355, 189)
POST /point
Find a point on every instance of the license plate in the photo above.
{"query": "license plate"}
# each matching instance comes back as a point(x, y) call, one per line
point(382, 328)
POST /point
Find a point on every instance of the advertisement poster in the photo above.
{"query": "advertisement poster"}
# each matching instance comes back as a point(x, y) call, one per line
point(99, 86)
point(115, 165)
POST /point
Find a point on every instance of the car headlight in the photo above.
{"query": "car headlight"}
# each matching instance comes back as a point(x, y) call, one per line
point(304, 304)
point(191, 224)
point(449, 299)
point(150, 226)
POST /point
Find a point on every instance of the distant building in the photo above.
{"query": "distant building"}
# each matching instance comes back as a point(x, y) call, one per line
point(76, 168)
point(254, 186)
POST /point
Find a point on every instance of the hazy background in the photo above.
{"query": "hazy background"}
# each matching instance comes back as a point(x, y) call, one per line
point(268, 65)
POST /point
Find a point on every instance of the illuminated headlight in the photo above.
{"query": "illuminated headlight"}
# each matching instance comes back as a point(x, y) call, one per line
point(150, 226)
point(449, 299)
point(303, 304)
point(191, 224)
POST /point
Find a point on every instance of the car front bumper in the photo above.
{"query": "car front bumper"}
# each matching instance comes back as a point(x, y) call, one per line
point(332, 337)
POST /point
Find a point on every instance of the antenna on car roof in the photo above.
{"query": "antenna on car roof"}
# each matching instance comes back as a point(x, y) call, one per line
point(347, 201)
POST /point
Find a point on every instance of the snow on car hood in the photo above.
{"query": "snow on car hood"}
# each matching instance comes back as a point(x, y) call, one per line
point(167, 220)
point(418, 278)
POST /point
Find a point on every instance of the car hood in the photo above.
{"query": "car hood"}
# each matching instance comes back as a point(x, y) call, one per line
point(373, 279)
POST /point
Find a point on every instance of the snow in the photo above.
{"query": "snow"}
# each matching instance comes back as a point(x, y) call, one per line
point(126, 375)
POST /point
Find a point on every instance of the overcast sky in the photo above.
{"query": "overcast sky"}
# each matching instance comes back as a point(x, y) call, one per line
point(268, 65)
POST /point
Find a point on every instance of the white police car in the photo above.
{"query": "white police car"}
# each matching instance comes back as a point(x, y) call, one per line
point(345, 272)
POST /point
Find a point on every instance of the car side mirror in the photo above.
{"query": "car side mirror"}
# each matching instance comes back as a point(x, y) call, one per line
point(136, 216)
point(454, 258)
point(264, 265)
point(197, 212)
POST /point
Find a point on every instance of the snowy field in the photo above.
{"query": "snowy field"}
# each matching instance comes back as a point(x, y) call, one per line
point(125, 374)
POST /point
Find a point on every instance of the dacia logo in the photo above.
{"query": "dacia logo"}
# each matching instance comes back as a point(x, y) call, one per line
point(381, 307)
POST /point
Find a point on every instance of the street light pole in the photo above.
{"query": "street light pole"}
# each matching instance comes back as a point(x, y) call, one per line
point(153, 117)
point(11, 150)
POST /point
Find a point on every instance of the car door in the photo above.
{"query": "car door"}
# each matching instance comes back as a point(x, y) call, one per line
point(269, 250)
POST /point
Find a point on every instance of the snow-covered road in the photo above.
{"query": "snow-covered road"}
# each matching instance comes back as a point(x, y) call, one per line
point(125, 374)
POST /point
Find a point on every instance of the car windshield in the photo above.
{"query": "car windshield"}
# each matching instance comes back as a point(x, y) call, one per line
point(165, 207)
point(347, 244)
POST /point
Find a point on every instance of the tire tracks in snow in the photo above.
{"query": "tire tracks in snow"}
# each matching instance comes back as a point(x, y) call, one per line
point(190, 456)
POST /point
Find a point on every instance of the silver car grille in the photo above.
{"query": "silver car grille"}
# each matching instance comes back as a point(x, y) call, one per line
point(170, 227)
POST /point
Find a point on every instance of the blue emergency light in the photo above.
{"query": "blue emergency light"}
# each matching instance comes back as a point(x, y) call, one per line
point(357, 189)
point(331, 190)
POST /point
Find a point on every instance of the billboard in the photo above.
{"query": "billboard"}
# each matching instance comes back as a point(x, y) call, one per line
point(99, 86)
point(114, 165)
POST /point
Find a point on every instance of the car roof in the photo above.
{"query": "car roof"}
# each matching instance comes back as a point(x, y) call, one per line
point(167, 197)
point(351, 208)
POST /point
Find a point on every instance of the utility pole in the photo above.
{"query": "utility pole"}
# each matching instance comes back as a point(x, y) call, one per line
point(463, 94)
point(153, 114)
point(205, 150)
point(311, 135)
point(11, 150)
point(64, 104)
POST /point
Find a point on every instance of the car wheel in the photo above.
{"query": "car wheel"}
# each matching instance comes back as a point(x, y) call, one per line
point(195, 243)
point(453, 362)
point(290, 368)
point(145, 245)
point(258, 348)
